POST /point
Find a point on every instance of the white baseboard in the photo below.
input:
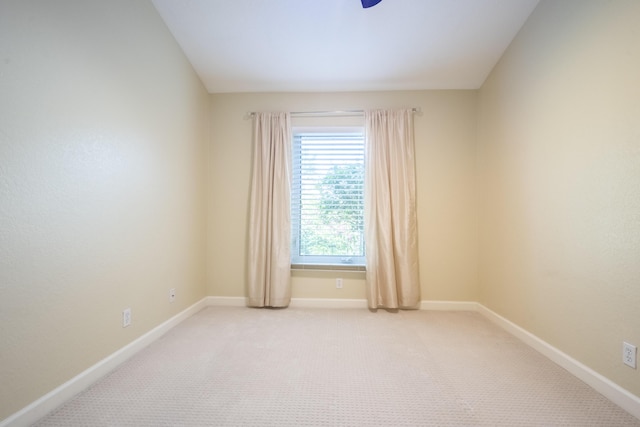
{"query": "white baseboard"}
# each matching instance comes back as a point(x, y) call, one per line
point(449, 305)
point(50, 401)
point(295, 302)
point(362, 303)
point(618, 395)
point(344, 303)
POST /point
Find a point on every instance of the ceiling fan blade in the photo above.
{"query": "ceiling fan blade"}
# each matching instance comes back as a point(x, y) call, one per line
point(370, 3)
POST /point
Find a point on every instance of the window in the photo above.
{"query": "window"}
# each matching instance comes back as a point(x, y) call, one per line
point(327, 199)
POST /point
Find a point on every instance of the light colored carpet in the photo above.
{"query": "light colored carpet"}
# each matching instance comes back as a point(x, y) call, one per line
point(321, 367)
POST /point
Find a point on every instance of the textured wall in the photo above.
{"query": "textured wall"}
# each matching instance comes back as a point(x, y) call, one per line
point(103, 129)
point(445, 159)
point(559, 155)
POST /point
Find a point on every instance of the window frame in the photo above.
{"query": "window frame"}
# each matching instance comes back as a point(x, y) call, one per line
point(321, 261)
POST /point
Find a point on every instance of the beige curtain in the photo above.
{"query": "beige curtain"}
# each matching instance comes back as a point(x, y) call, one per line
point(390, 211)
point(269, 278)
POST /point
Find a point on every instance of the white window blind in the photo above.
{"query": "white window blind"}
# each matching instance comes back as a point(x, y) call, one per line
point(327, 208)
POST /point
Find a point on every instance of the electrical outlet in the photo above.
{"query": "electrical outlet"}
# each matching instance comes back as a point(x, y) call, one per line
point(629, 352)
point(126, 317)
point(338, 283)
point(172, 294)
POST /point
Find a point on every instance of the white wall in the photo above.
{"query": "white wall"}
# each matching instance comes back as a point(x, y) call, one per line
point(103, 130)
point(559, 150)
point(445, 159)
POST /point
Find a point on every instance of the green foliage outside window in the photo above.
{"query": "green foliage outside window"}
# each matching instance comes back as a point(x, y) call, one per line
point(332, 223)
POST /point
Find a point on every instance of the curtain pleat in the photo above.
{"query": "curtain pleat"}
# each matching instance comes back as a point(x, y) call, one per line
point(269, 261)
point(391, 234)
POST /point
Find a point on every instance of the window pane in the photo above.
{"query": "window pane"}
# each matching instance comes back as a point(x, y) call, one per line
point(328, 197)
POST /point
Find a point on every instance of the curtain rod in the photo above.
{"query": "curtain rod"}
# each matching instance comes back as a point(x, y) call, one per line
point(331, 113)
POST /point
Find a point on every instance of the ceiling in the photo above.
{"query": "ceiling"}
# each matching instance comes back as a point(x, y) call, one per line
point(336, 45)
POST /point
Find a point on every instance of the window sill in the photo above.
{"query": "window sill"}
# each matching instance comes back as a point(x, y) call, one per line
point(327, 267)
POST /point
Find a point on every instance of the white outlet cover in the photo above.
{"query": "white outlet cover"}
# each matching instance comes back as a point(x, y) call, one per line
point(629, 352)
point(126, 317)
